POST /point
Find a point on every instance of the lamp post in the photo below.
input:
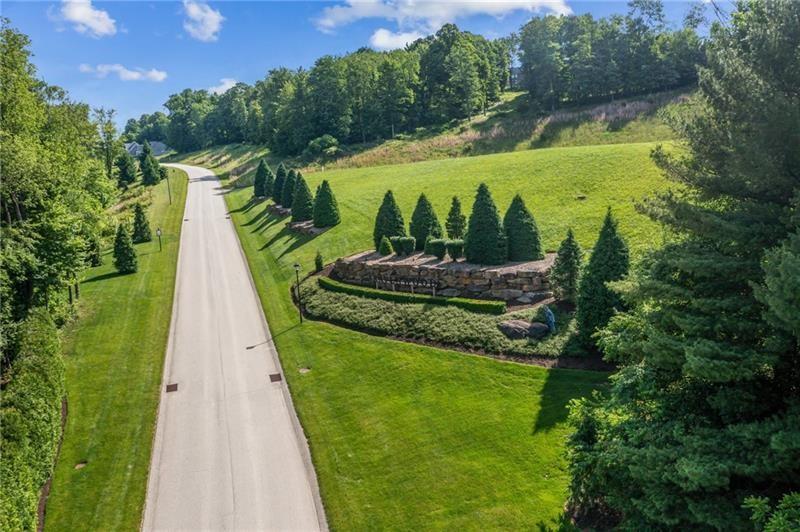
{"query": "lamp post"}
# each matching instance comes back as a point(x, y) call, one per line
point(169, 189)
point(299, 301)
point(158, 232)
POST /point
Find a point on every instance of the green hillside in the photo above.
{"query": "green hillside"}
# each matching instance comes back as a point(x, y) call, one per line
point(399, 432)
point(563, 187)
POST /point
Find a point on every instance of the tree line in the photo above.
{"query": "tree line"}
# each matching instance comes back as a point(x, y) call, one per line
point(367, 95)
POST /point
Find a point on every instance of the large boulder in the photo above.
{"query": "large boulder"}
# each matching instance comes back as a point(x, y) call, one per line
point(519, 329)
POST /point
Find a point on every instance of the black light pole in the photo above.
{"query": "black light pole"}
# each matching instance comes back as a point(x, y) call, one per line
point(158, 232)
point(299, 301)
point(169, 190)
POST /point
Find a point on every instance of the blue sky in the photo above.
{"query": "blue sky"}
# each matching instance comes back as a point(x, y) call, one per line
point(130, 56)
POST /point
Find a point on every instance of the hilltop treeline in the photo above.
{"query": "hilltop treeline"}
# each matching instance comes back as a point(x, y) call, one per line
point(579, 59)
point(368, 95)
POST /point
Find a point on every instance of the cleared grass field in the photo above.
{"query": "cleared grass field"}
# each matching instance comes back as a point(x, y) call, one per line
point(114, 354)
point(411, 437)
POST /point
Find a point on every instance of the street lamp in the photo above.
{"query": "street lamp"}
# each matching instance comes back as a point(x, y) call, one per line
point(158, 232)
point(299, 301)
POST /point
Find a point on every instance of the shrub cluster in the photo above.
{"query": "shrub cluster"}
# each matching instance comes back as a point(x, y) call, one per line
point(31, 421)
point(403, 245)
point(444, 324)
point(474, 305)
point(487, 240)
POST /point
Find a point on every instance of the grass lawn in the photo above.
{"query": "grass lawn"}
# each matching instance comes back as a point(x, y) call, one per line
point(410, 437)
point(114, 354)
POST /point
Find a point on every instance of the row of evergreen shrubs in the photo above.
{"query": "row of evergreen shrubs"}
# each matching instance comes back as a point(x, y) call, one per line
point(487, 238)
point(31, 421)
point(289, 189)
point(473, 305)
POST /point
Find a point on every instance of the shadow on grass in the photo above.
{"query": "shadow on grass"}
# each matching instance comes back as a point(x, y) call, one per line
point(562, 523)
point(558, 390)
point(103, 277)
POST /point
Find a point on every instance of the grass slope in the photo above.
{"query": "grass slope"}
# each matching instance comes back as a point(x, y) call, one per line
point(507, 127)
point(406, 436)
point(114, 356)
point(552, 182)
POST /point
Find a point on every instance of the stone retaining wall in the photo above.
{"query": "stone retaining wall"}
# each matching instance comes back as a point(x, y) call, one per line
point(520, 282)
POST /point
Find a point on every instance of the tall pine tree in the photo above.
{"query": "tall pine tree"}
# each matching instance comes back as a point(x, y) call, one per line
point(280, 179)
point(608, 262)
point(124, 253)
point(326, 209)
point(486, 240)
point(566, 269)
point(456, 222)
point(389, 220)
point(521, 232)
point(287, 195)
point(141, 226)
point(704, 411)
point(302, 202)
point(424, 223)
point(263, 182)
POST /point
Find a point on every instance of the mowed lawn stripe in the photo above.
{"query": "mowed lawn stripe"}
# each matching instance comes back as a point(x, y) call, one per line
point(114, 355)
point(406, 436)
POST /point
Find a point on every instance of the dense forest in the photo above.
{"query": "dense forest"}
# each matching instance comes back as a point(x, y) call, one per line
point(368, 95)
point(701, 427)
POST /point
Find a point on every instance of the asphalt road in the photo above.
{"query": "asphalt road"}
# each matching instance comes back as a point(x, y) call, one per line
point(228, 452)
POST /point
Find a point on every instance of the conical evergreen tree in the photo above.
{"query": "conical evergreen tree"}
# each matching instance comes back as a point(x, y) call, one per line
point(124, 253)
point(703, 412)
point(302, 203)
point(126, 168)
point(141, 226)
point(456, 222)
point(389, 220)
point(424, 223)
point(566, 269)
point(149, 166)
point(608, 262)
point(280, 179)
point(287, 196)
point(326, 209)
point(521, 232)
point(486, 240)
point(262, 184)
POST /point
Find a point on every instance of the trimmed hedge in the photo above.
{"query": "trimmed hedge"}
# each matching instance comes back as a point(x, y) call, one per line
point(455, 248)
point(474, 305)
point(31, 421)
point(437, 247)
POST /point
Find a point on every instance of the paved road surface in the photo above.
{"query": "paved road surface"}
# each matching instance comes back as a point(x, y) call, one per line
point(228, 453)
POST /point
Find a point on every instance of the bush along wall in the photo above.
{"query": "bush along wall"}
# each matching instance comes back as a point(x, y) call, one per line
point(31, 421)
point(521, 232)
point(302, 202)
point(326, 208)
point(474, 305)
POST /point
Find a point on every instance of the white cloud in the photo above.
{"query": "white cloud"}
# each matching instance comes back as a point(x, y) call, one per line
point(384, 39)
point(224, 85)
point(85, 18)
point(124, 74)
point(202, 22)
point(427, 15)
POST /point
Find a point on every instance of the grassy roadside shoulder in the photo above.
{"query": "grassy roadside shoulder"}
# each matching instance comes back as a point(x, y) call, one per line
point(114, 354)
point(405, 436)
